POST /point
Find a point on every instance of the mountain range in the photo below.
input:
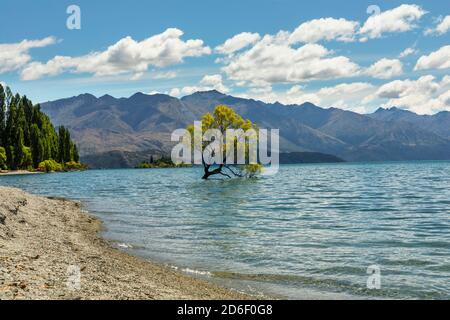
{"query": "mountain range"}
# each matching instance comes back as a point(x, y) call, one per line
point(145, 122)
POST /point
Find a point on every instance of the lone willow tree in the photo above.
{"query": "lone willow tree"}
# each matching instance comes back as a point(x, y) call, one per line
point(223, 143)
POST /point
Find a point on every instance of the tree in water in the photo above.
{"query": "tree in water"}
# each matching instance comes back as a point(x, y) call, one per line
point(231, 144)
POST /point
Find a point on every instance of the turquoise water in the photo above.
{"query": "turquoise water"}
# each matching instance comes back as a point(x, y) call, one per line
point(309, 231)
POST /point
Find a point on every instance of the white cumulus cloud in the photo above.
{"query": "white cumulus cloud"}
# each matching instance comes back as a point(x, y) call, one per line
point(345, 95)
point(295, 95)
point(439, 59)
point(125, 56)
point(425, 95)
point(165, 75)
point(14, 56)
point(407, 52)
point(385, 69)
point(208, 82)
point(325, 29)
point(442, 27)
point(273, 60)
point(238, 42)
point(400, 19)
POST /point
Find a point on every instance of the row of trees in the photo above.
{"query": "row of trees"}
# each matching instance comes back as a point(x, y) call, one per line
point(27, 136)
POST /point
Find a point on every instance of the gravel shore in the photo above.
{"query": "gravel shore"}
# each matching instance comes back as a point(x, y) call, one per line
point(50, 249)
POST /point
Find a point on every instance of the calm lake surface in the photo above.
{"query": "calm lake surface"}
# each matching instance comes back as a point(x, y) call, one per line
point(309, 231)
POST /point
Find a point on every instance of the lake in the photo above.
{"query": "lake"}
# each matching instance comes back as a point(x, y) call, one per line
point(310, 231)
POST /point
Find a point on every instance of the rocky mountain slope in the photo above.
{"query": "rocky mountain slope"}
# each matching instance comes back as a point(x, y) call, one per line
point(145, 122)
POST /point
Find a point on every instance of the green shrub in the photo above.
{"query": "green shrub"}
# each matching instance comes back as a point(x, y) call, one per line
point(50, 166)
point(72, 165)
point(160, 163)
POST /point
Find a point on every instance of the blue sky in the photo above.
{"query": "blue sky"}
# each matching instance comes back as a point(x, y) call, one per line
point(333, 53)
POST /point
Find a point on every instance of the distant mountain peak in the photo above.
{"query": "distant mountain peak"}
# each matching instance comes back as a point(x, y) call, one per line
point(106, 96)
point(380, 109)
point(138, 95)
point(308, 104)
point(392, 109)
point(304, 106)
point(209, 94)
point(396, 109)
point(149, 99)
point(212, 92)
point(86, 95)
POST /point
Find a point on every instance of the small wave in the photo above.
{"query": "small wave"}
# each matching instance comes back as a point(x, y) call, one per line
point(197, 272)
point(125, 245)
point(191, 271)
point(328, 285)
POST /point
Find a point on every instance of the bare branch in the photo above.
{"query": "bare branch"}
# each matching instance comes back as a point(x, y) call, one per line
point(233, 172)
point(224, 174)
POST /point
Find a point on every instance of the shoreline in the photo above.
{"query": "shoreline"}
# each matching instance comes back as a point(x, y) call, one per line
point(18, 172)
point(51, 248)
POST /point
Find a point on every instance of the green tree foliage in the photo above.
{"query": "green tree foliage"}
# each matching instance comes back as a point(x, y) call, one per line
point(27, 136)
point(222, 119)
point(163, 162)
point(50, 166)
point(61, 144)
point(37, 145)
point(27, 160)
point(2, 158)
point(67, 150)
point(2, 115)
point(72, 165)
point(19, 155)
point(75, 156)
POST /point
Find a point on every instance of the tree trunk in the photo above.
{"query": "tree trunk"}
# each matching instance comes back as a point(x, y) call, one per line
point(208, 173)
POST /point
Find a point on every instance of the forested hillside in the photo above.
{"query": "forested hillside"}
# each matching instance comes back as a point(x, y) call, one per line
point(28, 139)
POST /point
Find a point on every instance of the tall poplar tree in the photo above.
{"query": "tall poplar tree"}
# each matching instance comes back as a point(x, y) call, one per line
point(27, 136)
point(2, 116)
